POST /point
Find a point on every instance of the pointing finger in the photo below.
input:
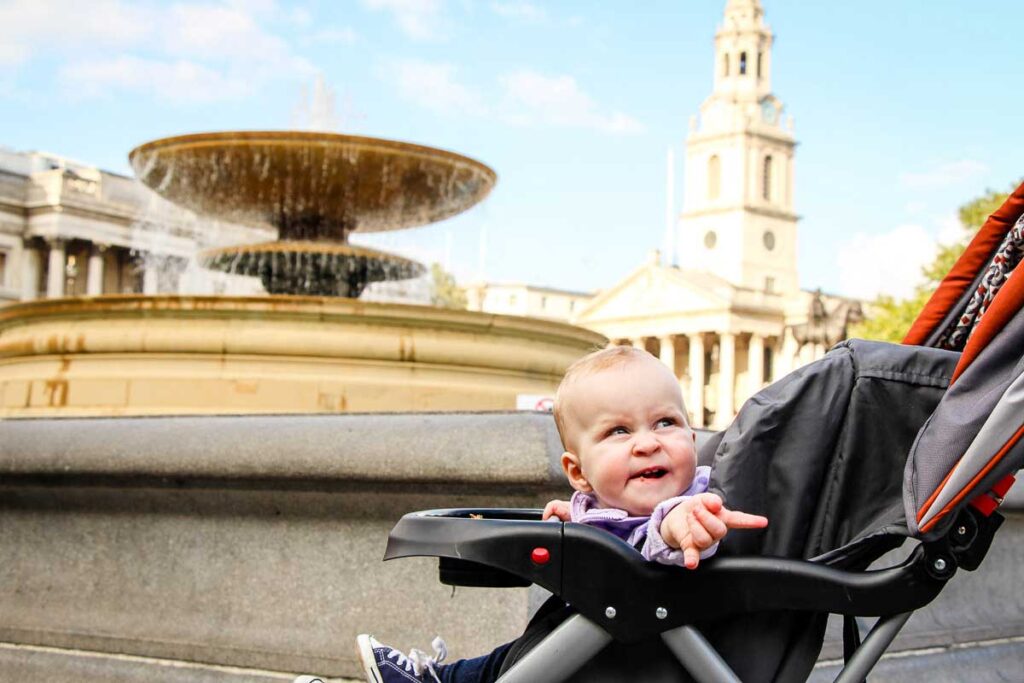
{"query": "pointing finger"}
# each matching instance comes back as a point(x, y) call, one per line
point(734, 519)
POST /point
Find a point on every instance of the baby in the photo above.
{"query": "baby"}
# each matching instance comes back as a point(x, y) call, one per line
point(630, 455)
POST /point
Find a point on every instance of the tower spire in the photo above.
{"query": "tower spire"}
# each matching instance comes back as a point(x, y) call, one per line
point(738, 220)
point(743, 52)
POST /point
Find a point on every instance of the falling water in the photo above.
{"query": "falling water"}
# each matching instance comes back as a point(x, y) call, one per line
point(315, 190)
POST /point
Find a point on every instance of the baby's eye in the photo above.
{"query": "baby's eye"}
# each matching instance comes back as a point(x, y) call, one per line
point(666, 422)
point(614, 431)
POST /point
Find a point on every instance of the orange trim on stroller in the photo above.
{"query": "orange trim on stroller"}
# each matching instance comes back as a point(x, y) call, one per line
point(970, 486)
point(974, 258)
point(1006, 304)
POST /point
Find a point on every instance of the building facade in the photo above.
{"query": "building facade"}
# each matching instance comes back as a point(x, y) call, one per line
point(70, 229)
point(526, 300)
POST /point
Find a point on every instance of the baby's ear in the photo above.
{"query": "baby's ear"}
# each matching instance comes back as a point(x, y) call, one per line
point(574, 472)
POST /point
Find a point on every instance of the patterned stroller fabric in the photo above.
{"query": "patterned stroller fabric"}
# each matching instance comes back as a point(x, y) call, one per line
point(1005, 260)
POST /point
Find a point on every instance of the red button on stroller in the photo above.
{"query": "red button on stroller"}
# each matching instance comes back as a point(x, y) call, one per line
point(848, 457)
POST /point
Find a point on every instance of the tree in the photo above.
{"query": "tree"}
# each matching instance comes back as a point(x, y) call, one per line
point(889, 319)
point(444, 292)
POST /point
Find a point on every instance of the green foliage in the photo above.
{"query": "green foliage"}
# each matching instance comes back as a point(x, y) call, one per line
point(889, 319)
point(444, 291)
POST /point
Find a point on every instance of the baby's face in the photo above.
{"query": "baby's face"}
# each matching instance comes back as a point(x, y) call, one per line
point(628, 439)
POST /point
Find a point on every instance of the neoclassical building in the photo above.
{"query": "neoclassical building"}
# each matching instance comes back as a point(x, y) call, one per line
point(71, 229)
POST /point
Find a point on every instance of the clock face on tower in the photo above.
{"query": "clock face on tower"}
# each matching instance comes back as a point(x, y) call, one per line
point(768, 111)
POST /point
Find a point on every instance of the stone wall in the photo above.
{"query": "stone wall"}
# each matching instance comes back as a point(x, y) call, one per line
point(248, 548)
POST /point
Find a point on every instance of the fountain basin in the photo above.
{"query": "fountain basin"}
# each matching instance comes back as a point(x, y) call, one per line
point(139, 355)
point(312, 268)
point(311, 186)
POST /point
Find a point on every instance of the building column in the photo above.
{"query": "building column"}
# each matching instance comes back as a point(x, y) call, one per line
point(150, 279)
point(94, 282)
point(697, 370)
point(790, 347)
point(639, 343)
point(667, 352)
point(726, 378)
point(55, 275)
point(755, 363)
point(30, 266)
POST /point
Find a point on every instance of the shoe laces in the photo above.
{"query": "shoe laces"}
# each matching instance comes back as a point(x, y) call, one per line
point(419, 661)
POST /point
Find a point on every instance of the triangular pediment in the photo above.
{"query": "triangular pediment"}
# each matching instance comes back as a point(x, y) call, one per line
point(654, 290)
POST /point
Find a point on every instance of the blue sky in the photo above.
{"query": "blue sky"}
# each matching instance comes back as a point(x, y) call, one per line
point(903, 110)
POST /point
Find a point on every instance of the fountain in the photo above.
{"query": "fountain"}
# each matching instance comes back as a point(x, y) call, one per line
point(316, 189)
point(310, 346)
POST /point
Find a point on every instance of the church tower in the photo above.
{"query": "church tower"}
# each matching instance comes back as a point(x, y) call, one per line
point(738, 220)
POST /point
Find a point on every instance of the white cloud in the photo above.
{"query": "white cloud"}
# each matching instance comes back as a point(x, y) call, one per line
point(434, 86)
point(299, 16)
point(215, 32)
point(519, 10)
point(527, 98)
point(12, 54)
point(198, 51)
point(344, 35)
point(951, 230)
point(177, 81)
point(30, 26)
point(532, 98)
point(418, 19)
point(888, 263)
point(944, 175)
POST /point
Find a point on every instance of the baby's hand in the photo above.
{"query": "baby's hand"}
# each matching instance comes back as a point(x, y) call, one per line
point(699, 522)
point(557, 508)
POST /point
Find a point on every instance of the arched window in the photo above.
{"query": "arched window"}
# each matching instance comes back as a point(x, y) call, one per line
point(766, 178)
point(760, 58)
point(714, 176)
point(725, 65)
point(743, 63)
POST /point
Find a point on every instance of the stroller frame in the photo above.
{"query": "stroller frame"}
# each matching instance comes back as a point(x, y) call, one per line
point(632, 599)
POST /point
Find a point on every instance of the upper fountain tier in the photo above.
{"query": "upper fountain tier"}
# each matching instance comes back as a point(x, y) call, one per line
point(311, 186)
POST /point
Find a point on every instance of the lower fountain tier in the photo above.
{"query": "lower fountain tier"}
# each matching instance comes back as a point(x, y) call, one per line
point(170, 355)
point(311, 268)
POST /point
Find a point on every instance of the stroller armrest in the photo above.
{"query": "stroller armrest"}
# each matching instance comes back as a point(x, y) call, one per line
point(483, 547)
point(593, 571)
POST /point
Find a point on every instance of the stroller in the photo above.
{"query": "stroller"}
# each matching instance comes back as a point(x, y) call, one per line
point(848, 457)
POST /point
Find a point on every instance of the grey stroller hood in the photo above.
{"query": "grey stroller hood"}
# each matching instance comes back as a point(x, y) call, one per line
point(821, 453)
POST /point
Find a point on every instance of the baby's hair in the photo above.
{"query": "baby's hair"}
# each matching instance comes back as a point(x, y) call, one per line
point(590, 363)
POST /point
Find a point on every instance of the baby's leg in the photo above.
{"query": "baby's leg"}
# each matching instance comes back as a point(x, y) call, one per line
point(477, 670)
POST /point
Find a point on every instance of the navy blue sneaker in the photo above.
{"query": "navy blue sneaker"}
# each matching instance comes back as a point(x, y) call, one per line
point(383, 664)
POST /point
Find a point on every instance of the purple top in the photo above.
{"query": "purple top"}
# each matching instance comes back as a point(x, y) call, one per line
point(583, 509)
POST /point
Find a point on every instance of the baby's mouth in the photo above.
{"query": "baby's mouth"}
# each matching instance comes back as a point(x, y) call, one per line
point(650, 473)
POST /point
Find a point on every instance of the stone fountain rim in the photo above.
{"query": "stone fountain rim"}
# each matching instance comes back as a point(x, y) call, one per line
point(270, 308)
point(297, 136)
